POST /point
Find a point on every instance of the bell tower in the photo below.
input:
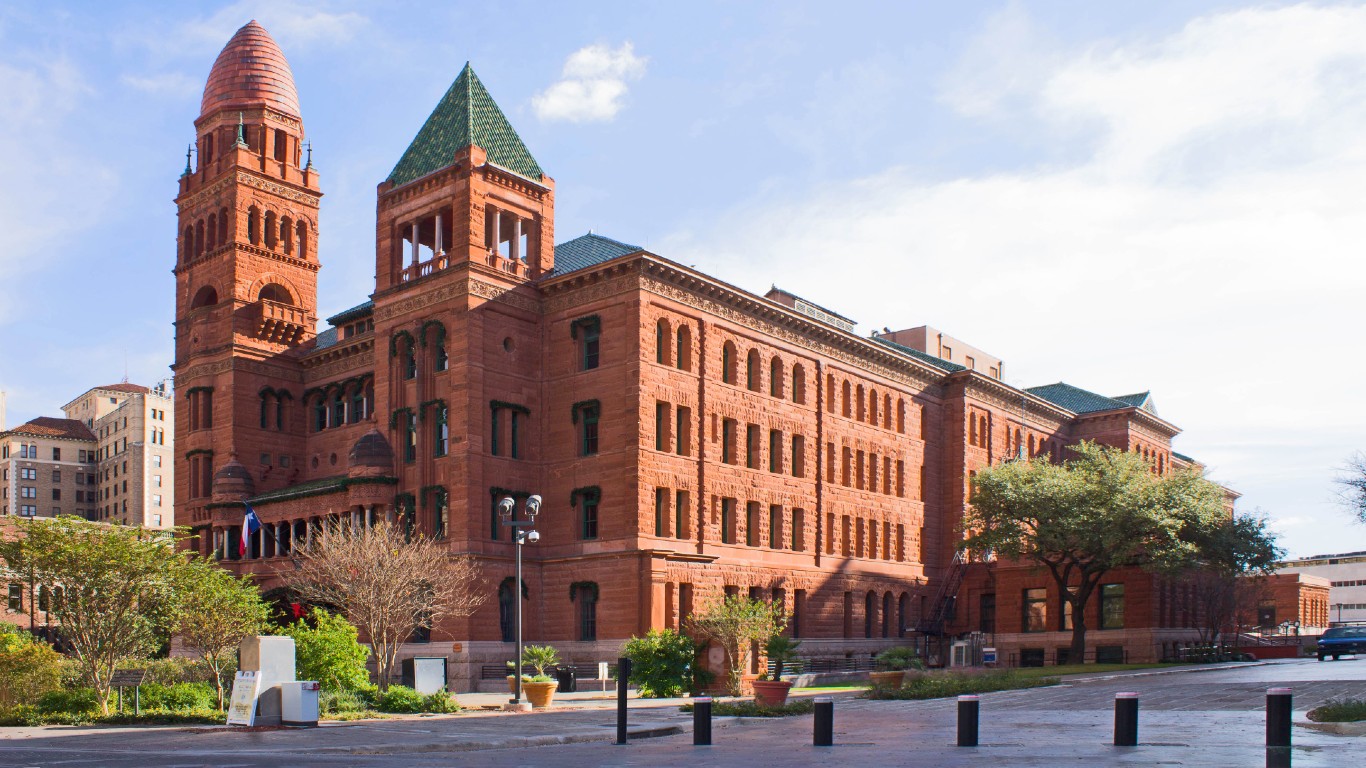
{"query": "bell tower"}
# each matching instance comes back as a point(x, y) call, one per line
point(246, 263)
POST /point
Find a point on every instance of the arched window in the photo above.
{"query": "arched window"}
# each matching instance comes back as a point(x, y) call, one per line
point(281, 145)
point(886, 411)
point(775, 377)
point(254, 225)
point(798, 384)
point(903, 609)
point(212, 232)
point(199, 238)
point(872, 407)
point(338, 417)
point(319, 412)
point(187, 242)
point(271, 229)
point(728, 363)
point(268, 399)
point(869, 614)
point(752, 370)
point(887, 614)
point(972, 430)
point(901, 416)
point(983, 430)
point(359, 406)
point(204, 297)
point(507, 608)
point(662, 339)
point(435, 335)
point(847, 399)
point(287, 234)
point(684, 356)
point(302, 229)
point(858, 403)
point(277, 293)
point(1031, 445)
point(281, 395)
point(222, 226)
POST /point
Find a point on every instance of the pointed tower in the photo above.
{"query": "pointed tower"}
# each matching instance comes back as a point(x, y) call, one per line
point(246, 264)
point(466, 192)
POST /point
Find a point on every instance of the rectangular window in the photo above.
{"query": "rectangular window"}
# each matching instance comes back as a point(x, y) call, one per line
point(752, 446)
point(410, 442)
point(514, 449)
point(588, 514)
point(799, 530)
point(156, 461)
point(728, 441)
point(591, 344)
point(16, 598)
point(775, 527)
point(661, 426)
point(1035, 610)
point(775, 451)
point(752, 524)
point(56, 454)
point(683, 431)
point(727, 521)
point(57, 492)
point(680, 514)
point(493, 432)
point(798, 456)
point(986, 612)
point(661, 510)
point(900, 542)
point(156, 500)
point(590, 430)
point(1112, 606)
point(443, 432)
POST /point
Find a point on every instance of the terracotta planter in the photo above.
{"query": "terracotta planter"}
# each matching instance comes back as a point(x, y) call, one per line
point(771, 693)
point(891, 679)
point(541, 695)
point(512, 684)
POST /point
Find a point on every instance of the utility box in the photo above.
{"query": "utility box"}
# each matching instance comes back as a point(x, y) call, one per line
point(299, 703)
point(272, 659)
point(424, 674)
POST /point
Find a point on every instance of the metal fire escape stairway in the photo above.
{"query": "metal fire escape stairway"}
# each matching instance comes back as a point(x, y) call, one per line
point(943, 608)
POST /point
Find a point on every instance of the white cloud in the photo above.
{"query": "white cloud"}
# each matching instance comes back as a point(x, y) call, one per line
point(592, 85)
point(1205, 242)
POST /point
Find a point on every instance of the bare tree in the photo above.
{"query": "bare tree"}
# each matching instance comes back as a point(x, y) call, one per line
point(385, 584)
point(1351, 482)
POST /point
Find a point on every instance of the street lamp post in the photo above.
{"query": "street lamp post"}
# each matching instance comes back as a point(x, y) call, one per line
point(507, 510)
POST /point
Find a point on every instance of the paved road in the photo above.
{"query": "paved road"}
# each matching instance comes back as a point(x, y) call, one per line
point(1188, 718)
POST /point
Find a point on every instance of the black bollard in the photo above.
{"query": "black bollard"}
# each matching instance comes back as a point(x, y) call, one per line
point(701, 721)
point(969, 707)
point(1126, 719)
point(824, 730)
point(623, 676)
point(1278, 717)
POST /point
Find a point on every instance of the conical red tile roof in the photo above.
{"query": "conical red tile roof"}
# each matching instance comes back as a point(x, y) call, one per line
point(251, 71)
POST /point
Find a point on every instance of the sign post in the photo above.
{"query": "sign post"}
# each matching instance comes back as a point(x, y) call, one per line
point(130, 678)
point(242, 709)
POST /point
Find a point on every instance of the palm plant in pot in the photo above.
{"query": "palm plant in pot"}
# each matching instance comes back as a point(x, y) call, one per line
point(780, 650)
point(512, 680)
point(540, 687)
point(892, 665)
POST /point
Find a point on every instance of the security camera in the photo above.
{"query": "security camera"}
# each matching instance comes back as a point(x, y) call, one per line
point(505, 506)
point(533, 536)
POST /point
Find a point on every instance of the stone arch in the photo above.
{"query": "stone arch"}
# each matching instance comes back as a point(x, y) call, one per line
point(283, 285)
point(206, 296)
point(776, 373)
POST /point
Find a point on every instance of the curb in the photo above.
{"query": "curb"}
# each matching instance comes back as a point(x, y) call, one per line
point(644, 732)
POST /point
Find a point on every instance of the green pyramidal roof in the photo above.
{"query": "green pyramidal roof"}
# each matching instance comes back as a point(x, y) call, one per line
point(465, 115)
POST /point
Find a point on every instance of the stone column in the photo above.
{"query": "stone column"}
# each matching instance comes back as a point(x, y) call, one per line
point(497, 231)
point(415, 245)
point(516, 250)
point(436, 249)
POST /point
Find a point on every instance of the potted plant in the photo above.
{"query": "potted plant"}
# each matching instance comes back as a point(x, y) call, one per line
point(734, 623)
point(540, 687)
point(512, 681)
point(780, 650)
point(892, 665)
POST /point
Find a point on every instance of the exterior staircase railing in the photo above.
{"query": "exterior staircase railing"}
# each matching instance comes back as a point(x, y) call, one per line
point(942, 608)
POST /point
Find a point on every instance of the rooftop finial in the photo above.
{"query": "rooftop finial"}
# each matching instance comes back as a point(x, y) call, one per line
point(308, 146)
point(188, 149)
point(241, 139)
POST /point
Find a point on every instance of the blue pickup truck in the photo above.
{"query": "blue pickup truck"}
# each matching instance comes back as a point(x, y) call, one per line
point(1340, 641)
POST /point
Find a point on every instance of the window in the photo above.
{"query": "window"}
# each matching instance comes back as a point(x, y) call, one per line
point(513, 443)
point(680, 514)
point(57, 492)
point(56, 454)
point(682, 431)
point(588, 512)
point(588, 443)
point(775, 450)
point(662, 342)
point(727, 521)
point(507, 609)
point(1112, 606)
point(441, 512)
point(338, 415)
point(798, 385)
point(775, 377)
point(156, 462)
point(752, 446)
point(1035, 612)
point(661, 511)
point(661, 426)
point(752, 371)
point(986, 612)
point(684, 356)
point(1067, 609)
point(16, 598)
point(798, 456)
point(442, 431)
point(728, 441)
point(156, 500)
point(410, 437)
point(587, 595)
point(319, 414)
point(775, 526)
point(588, 331)
point(798, 530)
point(752, 524)
point(728, 363)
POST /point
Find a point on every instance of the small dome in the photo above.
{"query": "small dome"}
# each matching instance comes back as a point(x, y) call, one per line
point(372, 451)
point(233, 480)
point(250, 72)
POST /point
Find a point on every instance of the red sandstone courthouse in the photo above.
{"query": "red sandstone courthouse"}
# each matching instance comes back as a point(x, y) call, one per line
point(689, 438)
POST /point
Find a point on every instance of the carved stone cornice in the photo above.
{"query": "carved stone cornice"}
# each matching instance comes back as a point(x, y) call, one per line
point(336, 366)
point(285, 372)
point(496, 174)
point(1007, 398)
point(305, 197)
point(508, 295)
point(418, 300)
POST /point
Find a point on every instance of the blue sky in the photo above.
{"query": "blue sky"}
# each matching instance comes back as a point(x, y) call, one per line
point(1124, 196)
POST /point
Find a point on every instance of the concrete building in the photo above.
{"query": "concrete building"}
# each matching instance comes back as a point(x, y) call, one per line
point(48, 468)
point(135, 430)
point(690, 439)
point(1346, 577)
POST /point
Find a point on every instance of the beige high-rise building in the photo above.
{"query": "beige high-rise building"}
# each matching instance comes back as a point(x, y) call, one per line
point(134, 429)
point(47, 468)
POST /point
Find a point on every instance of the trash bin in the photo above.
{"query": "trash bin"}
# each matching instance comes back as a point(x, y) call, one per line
point(567, 682)
point(299, 703)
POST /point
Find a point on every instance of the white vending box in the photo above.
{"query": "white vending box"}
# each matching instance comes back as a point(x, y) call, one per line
point(299, 703)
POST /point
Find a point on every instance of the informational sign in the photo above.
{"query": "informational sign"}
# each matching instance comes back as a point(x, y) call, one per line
point(128, 678)
point(988, 655)
point(242, 710)
point(457, 647)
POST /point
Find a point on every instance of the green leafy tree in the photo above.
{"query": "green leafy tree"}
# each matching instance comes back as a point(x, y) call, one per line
point(329, 652)
point(661, 663)
point(735, 623)
point(1100, 510)
point(217, 612)
point(29, 667)
point(115, 588)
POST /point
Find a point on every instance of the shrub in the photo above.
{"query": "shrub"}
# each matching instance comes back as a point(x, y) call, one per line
point(77, 701)
point(938, 686)
point(341, 702)
point(440, 702)
point(172, 670)
point(539, 657)
point(899, 658)
point(29, 667)
point(1339, 711)
point(661, 663)
point(329, 652)
point(177, 698)
point(399, 698)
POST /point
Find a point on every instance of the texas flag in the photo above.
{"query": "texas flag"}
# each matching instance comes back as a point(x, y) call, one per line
point(250, 525)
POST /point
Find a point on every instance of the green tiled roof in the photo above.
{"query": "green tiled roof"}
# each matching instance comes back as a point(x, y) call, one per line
point(588, 250)
point(1142, 400)
point(937, 362)
point(465, 115)
point(1076, 399)
point(347, 315)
